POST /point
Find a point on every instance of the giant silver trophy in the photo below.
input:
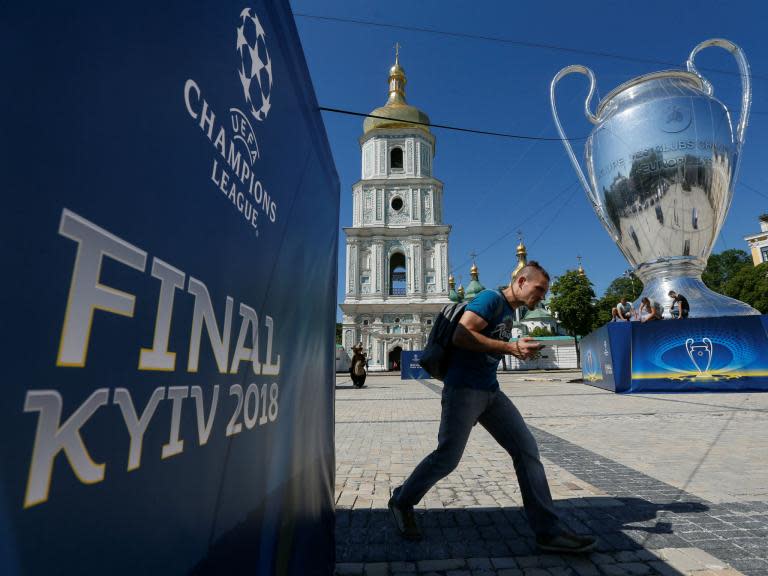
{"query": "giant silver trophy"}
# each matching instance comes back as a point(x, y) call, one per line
point(662, 162)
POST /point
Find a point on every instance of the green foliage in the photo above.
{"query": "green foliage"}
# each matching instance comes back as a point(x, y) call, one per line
point(750, 284)
point(628, 287)
point(723, 267)
point(541, 331)
point(338, 333)
point(572, 297)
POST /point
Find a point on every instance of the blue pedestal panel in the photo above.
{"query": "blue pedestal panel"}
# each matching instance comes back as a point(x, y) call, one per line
point(692, 355)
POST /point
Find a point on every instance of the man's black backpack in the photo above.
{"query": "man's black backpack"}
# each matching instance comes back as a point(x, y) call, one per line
point(436, 356)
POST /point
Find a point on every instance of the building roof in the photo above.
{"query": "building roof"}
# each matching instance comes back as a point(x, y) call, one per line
point(538, 314)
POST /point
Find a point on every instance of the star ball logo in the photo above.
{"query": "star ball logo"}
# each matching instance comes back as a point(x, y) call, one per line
point(235, 172)
point(255, 64)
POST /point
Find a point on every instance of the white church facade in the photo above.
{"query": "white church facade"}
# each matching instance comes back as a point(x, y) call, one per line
point(397, 247)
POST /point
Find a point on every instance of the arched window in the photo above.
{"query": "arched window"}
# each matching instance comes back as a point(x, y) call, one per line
point(396, 159)
point(397, 278)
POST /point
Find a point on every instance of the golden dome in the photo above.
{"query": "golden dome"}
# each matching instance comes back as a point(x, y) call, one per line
point(581, 268)
point(473, 271)
point(522, 258)
point(396, 113)
point(451, 281)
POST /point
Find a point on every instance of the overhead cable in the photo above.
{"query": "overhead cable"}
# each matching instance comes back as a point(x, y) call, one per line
point(446, 127)
point(519, 225)
point(512, 42)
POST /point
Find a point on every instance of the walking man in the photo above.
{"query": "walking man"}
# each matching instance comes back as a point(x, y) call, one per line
point(471, 394)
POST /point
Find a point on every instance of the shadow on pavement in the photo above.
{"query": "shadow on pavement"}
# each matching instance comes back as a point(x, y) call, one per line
point(620, 524)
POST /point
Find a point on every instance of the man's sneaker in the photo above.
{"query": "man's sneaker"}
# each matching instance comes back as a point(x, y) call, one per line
point(565, 542)
point(405, 520)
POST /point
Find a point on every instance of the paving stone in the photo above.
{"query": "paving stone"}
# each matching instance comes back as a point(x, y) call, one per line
point(402, 566)
point(604, 479)
point(377, 569)
point(479, 563)
point(350, 569)
point(435, 565)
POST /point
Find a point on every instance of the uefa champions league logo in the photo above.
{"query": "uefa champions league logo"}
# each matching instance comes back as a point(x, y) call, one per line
point(255, 64)
point(700, 354)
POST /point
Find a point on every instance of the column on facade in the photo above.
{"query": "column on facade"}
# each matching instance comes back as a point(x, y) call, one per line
point(378, 250)
point(352, 267)
point(418, 262)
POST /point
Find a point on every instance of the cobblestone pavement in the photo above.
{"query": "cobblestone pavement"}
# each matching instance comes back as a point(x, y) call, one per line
point(670, 484)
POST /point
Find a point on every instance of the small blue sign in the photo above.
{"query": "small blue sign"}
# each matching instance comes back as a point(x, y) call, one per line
point(410, 369)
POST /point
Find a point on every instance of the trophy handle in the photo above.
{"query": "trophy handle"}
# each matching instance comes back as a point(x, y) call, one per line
point(746, 83)
point(591, 117)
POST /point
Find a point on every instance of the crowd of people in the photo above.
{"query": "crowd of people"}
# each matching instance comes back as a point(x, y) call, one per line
point(650, 310)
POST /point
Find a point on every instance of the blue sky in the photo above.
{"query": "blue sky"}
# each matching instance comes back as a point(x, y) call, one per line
point(495, 185)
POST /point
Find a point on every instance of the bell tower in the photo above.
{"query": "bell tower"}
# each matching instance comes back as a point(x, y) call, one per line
point(397, 247)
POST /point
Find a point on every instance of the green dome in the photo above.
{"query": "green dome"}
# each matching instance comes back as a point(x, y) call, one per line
point(538, 314)
point(474, 287)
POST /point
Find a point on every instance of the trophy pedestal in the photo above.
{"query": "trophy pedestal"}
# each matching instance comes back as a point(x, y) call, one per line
point(690, 355)
point(683, 275)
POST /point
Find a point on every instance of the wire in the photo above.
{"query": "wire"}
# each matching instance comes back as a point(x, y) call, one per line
point(446, 127)
point(516, 226)
point(755, 190)
point(512, 42)
point(552, 221)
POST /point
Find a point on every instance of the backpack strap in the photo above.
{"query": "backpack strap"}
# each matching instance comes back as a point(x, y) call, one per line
point(503, 301)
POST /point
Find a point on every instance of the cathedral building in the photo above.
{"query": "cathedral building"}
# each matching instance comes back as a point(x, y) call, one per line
point(397, 247)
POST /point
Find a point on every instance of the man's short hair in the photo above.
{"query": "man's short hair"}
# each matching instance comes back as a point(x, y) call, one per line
point(533, 265)
point(672, 293)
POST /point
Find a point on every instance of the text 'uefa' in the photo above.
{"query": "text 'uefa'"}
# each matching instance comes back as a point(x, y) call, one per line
point(239, 407)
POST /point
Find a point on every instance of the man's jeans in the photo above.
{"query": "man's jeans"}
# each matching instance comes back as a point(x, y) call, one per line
point(462, 409)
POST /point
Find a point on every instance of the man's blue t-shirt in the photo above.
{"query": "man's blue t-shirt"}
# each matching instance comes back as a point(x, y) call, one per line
point(478, 369)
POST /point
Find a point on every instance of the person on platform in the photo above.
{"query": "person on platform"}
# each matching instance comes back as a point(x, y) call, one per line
point(680, 307)
point(623, 311)
point(649, 310)
point(471, 394)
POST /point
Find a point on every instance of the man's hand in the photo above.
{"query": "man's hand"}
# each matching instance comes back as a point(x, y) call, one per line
point(525, 348)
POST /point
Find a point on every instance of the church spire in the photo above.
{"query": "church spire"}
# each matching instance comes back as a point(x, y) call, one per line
point(397, 81)
point(581, 268)
point(522, 255)
point(475, 287)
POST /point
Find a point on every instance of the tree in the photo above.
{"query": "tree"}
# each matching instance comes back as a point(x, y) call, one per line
point(750, 284)
point(338, 333)
point(723, 267)
point(628, 287)
point(572, 297)
point(540, 331)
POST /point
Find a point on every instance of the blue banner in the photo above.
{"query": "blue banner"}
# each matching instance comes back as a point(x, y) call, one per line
point(595, 359)
point(170, 251)
point(410, 369)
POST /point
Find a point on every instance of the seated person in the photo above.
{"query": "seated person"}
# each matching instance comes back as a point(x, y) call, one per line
point(649, 310)
point(680, 307)
point(623, 311)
